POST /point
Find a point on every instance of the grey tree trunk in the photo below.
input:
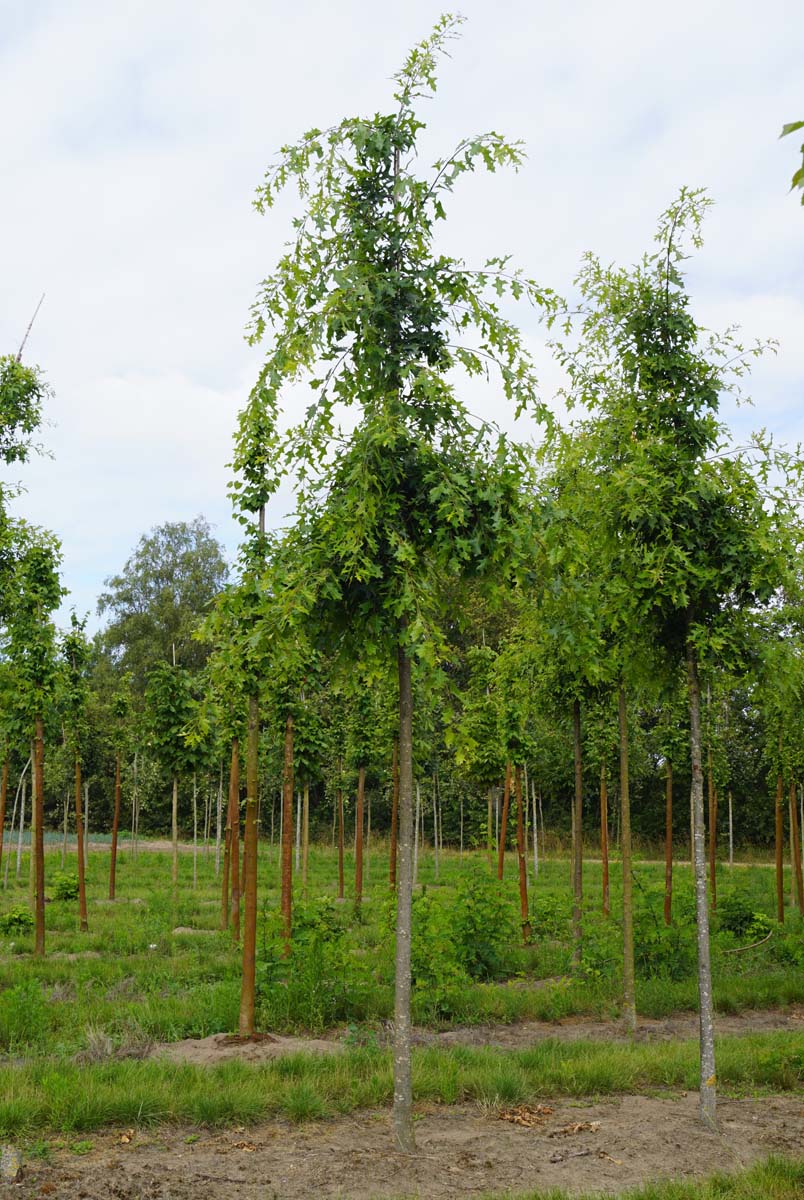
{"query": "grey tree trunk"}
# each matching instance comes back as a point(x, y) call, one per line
point(403, 1083)
point(219, 824)
point(22, 826)
point(86, 820)
point(629, 993)
point(708, 1086)
point(195, 831)
point(175, 831)
point(577, 837)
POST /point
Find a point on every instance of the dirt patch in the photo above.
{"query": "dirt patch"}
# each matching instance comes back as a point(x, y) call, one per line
point(221, 1047)
point(679, 1026)
point(602, 1147)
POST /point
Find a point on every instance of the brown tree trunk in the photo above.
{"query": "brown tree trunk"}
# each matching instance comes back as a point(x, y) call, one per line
point(339, 799)
point(82, 890)
point(175, 832)
point(604, 838)
point(394, 813)
point(234, 851)
point(712, 834)
point(246, 1027)
point(305, 837)
point(577, 836)
point(708, 1085)
point(38, 849)
point(520, 852)
point(668, 846)
point(489, 829)
point(361, 787)
point(779, 850)
point(3, 798)
point(287, 835)
point(504, 822)
point(795, 848)
point(403, 1083)
point(629, 992)
point(115, 826)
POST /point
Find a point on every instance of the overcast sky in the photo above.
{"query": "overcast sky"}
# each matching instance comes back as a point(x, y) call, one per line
point(134, 135)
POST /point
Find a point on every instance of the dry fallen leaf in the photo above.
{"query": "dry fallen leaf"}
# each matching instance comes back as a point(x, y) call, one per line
point(127, 1137)
point(575, 1127)
point(528, 1115)
point(249, 1147)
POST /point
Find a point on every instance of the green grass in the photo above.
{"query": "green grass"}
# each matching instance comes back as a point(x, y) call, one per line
point(68, 1097)
point(776, 1179)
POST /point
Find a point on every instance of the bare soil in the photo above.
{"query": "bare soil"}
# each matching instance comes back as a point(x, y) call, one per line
point(221, 1047)
point(582, 1146)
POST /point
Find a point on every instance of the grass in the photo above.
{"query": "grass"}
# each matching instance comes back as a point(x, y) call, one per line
point(775, 1179)
point(67, 1097)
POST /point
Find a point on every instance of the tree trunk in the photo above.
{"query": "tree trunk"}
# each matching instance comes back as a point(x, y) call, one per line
point(712, 834)
point(731, 829)
point(779, 850)
point(38, 849)
point(795, 848)
point(219, 824)
point(629, 992)
point(416, 837)
point(339, 800)
point(287, 835)
point(82, 891)
point(305, 837)
point(708, 1087)
point(520, 853)
point(298, 831)
point(115, 826)
point(489, 835)
point(577, 837)
point(403, 1084)
point(504, 822)
point(394, 814)
point(175, 831)
point(234, 851)
point(604, 838)
point(22, 823)
point(195, 830)
point(20, 789)
point(668, 846)
point(361, 788)
point(3, 798)
point(86, 821)
point(435, 828)
point(246, 1027)
point(535, 830)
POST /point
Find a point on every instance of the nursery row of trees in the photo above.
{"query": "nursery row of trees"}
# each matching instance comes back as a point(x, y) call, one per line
point(447, 608)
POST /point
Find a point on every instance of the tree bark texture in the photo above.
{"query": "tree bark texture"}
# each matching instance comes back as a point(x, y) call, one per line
point(708, 1085)
point(115, 826)
point(403, 1082)
point(246, 1026)
point(629, 992)
point(504, 822)
point(287, 835)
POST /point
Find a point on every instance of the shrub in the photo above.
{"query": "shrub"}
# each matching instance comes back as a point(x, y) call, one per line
point(64, 886)
point(19, 919)
point(483, 925)
point(437, 971)
point(738, 915)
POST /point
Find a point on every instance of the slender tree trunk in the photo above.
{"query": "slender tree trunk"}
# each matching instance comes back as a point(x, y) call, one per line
point(219, 824)
point(195, 830)
point(115, 826)
point(403, 1084)
point(629, 992)
point(298, 831)
point(394, 814)
point(416, 837)
point(461, 828)
point(39, 849)
point(435, 828)
point(604, 838)
point(20, 788)
point(668, 846)
point(731, 829)
point(175, 831)
point(361, 788)
point(246, 1027)
point(86, 821)
point(22, 823)
point(577, 837)
point(708, 1088)
point(3, 798)
point(795, 848)
point(712, 834)
point(227, 856)
point(339, 801)
point(287, 835)
point(234, 851)
point(489, 825)
point(779, 850)
point(535, 830)
point(32, 855)
point(135, 803)
point(64, 832)
point(305, 837)
point(520, 853)
point(504, 822)
point(82, 890)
